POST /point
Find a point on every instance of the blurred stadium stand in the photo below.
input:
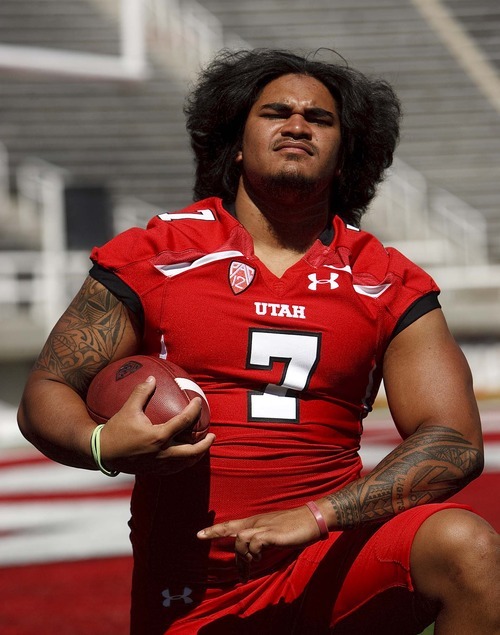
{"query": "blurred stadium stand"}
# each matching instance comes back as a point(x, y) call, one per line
point(93, 139)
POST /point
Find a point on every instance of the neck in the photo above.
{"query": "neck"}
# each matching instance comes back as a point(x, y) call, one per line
point(291, 225)
point(282, 231)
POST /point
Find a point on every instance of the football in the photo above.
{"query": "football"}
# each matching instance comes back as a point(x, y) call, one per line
point(112, 386)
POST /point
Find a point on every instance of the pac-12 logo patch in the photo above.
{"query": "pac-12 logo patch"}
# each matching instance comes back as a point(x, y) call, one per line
point(240, 276)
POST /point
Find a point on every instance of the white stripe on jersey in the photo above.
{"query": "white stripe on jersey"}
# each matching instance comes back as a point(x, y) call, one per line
point(180, 267)
point(371, 291)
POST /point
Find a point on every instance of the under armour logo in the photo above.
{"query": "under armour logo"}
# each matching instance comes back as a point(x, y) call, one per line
point(314, 281)
point(180, 596)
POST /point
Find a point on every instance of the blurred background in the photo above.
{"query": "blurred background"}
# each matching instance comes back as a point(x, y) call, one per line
point(92, 141)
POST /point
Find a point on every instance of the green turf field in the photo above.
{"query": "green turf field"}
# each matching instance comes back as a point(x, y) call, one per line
point(428, 631)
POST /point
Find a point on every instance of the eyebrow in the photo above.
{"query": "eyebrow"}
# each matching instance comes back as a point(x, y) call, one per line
point(283, 108)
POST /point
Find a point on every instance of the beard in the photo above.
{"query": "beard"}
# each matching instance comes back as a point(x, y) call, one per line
point(288, 184)
point(283, 196)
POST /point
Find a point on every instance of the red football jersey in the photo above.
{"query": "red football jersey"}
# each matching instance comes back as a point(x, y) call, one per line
point(289, 365)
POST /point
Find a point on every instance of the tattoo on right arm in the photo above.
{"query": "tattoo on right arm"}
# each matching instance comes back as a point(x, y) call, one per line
point(86, 337)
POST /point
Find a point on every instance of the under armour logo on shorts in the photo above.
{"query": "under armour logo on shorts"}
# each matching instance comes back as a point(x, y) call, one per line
point(315, 282)
point(169, 598)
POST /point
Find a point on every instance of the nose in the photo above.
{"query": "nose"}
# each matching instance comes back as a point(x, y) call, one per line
point(296, 126)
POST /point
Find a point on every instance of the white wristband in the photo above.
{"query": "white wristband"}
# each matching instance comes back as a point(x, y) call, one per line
point(95, 446)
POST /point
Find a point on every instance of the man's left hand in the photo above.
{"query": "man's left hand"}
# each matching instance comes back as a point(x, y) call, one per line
point(289, 529)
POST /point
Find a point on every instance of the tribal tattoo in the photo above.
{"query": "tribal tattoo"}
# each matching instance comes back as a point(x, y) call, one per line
point(430, 466)
point(85, 338)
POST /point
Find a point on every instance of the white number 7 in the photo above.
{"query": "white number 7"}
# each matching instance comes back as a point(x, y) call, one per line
point(299, 352)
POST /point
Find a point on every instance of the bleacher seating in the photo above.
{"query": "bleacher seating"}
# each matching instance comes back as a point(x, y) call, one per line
point(128, 136)
point(68, 25)
point(131, 136)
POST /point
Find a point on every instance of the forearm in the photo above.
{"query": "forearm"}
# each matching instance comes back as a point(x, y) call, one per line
point(55, 420)
point(429, 466)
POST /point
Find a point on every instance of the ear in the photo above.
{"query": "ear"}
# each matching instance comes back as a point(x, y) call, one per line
point(239, 157)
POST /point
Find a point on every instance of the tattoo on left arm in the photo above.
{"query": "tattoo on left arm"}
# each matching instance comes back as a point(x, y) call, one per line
point(85, 338)
point(430, 466)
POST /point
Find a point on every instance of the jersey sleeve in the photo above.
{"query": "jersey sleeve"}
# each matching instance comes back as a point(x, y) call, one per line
point(395, 290)
point(412, 293)
point(125, 266)
point(131, 265)
point(119, 289)
point(420, 307)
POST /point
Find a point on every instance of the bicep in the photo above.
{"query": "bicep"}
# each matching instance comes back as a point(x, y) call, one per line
point(95, 329)
point(428, 381)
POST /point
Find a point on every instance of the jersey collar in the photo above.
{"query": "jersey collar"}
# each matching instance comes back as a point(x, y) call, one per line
point(326, 237)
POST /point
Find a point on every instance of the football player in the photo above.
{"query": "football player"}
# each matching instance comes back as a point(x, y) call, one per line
point(288, 315)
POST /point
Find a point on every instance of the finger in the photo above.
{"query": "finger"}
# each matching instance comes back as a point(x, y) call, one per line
point(187, 450)
point(249, 544)
point(244, 561)
point(221, 530)
point(248, 555)
point(186, 418)
point(140, 394)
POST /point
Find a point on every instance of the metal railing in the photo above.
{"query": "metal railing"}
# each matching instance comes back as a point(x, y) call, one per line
point(4, 184)
point(37, 284)
point(186, 35)
point(431, 225)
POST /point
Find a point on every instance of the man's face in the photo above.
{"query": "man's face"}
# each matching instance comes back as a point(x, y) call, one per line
point(292, 138)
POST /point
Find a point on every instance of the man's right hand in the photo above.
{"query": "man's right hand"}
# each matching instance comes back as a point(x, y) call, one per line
point(130, 443)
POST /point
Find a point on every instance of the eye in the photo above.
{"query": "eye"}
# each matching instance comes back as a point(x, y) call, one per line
point(273, 115)
point(320, 120)
point(275, 111)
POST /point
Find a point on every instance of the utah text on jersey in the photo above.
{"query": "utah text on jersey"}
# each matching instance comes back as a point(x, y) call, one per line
point(280, 310)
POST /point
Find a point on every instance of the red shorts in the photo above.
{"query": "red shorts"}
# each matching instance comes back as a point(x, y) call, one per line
point(358, 581)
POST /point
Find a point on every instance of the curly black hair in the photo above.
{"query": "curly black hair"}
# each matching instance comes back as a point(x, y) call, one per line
point(217, 108)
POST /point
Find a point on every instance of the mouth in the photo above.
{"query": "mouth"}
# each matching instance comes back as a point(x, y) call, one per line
point(298, 147)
